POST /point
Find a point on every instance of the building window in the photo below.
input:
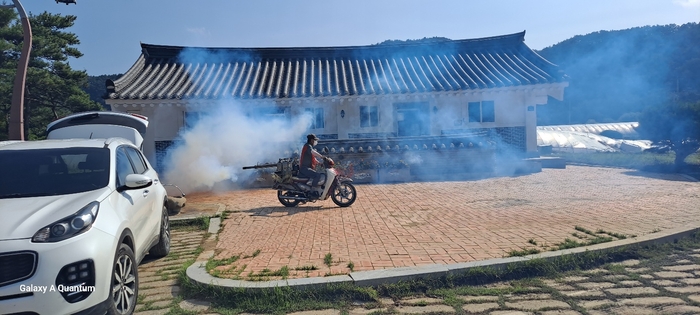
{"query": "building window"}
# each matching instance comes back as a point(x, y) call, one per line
point(482, 111)
point(317, 121)
point(271, 113)
point(488, 111)
point(369, 116)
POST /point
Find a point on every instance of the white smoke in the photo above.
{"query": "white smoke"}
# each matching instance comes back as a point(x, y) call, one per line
point(224, 140)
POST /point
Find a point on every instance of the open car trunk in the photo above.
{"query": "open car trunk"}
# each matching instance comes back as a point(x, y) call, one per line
point(99, 125)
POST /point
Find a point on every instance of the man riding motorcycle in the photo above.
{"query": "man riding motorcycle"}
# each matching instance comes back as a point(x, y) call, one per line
point(308, 161)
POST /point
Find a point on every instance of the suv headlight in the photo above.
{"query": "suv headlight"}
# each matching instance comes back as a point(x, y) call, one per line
point(69, 226)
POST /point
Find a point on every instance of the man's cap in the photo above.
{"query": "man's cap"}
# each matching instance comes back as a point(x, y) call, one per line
point(311, 137)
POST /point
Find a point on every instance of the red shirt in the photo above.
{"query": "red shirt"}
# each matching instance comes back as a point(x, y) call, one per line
point(307, 159)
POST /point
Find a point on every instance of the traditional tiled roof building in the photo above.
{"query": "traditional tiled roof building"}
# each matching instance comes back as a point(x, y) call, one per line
point(416, 89)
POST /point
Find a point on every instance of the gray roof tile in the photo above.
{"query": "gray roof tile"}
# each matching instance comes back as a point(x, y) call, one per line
point(165, 72)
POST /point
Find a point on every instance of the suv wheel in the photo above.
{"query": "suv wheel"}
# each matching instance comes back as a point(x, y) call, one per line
point(125, 282)
point(163, 247)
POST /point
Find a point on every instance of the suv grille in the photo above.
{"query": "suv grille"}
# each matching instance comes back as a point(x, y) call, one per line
point(16, 266)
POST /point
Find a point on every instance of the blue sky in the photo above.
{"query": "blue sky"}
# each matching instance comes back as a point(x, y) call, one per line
point(110, 30)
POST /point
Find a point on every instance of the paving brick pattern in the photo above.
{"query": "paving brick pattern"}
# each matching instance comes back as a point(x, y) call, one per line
point(413, 224)
point(158, 287)
point(553, 296)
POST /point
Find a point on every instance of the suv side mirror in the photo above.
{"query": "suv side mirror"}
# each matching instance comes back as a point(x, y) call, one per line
point(136, 181)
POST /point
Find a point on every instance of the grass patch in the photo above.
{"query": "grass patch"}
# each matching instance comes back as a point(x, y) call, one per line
point(197, 224)
point(351, 266)
point(524, 252)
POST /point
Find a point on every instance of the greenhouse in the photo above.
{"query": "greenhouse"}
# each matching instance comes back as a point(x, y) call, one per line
point(585, 138)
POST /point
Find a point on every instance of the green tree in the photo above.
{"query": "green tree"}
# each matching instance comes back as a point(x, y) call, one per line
point(96, 87)
point(676, 125)
point(612, 73)
point(52, 89)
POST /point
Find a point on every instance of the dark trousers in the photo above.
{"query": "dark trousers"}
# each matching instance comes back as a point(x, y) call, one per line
point(308, 172)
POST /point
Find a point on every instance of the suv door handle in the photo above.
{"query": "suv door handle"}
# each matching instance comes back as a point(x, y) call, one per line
point(145, 193)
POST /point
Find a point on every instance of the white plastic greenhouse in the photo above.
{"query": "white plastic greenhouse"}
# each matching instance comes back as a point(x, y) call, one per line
point(587, 138)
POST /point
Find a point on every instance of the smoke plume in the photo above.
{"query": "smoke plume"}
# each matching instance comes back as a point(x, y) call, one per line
point(214, 150)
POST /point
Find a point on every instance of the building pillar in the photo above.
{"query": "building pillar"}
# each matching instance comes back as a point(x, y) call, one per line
point(531, 131)
point(343, 119)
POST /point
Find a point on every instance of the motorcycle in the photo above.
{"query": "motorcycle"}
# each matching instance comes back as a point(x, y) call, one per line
point(293, 190)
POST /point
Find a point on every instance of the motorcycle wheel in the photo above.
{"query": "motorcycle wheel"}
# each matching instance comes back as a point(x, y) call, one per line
point(344, 194)
point(287, 202)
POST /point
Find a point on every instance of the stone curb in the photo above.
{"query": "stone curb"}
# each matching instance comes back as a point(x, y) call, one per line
point(186, 218)
point(197, 271)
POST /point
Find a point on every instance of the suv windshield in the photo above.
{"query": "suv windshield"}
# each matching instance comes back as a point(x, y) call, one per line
point(47, 172)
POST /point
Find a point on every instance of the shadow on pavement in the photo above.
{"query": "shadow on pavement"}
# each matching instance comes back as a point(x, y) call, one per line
point(678, 177)
point(285, 211)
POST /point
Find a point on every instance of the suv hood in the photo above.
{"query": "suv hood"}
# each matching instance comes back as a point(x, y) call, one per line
point(23, 217)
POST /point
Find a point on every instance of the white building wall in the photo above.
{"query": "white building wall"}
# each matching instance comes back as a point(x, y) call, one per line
point(514, 107)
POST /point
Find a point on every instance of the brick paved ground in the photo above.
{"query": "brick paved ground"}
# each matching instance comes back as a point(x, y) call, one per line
point(158, 287)
point(413, 224)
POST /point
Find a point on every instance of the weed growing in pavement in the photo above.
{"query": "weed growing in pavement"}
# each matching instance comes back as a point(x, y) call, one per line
point(351, 266)
point(613, 234)
point(255, 254)
point(579, 236)
point(584, 230)
point(569, 243)
point(599, 239)
point(588, 239)
point(213, 263)
point(524, 252)
point(328, 260)
point(175, 308)
point(616, 268)
point(421, 303)
point(197, 224)
point(267, 274)
point(306, 268)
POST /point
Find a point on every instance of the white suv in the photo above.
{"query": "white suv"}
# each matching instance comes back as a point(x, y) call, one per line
point(77, 216)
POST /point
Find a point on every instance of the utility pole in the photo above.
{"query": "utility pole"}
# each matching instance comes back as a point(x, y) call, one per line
point(16, 127)
point(16, 131)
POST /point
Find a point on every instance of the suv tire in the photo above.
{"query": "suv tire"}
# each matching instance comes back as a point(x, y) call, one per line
point(125, 282)
point(163, 247)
